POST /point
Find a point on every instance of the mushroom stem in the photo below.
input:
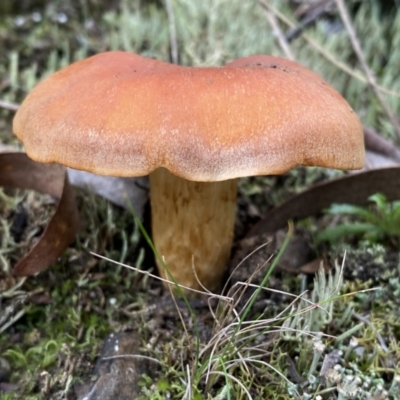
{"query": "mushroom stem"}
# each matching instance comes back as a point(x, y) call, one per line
point(192, 225)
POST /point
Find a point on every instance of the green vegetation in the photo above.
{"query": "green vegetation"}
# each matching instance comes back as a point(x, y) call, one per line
point(379, 223)
point(52, 325)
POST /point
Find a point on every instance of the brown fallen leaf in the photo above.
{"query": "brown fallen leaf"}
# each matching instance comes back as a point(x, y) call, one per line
point(18, 171)
point(313, 266)
point(352, 189)
point(118, 190)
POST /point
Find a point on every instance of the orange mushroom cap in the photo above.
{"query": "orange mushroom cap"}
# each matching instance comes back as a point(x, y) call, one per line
point(120, 114)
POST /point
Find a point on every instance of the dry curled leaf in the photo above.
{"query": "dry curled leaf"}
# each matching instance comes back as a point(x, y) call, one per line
point(18, 171)
point(352, 189)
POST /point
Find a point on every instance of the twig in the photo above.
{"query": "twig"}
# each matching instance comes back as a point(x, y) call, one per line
point(366, 321)
point(9, 106)
point(292, 370)
point(344, 15)
point(283, 43)
point(317, 11)
point(172, 31)
point(376, 143)
point(134, 356)
point(320, 49)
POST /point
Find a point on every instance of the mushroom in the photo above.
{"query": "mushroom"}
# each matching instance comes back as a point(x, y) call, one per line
point(195, 131)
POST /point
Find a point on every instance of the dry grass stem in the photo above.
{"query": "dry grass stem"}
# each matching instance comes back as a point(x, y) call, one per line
point(224, 375)
point(134, 356)
point(221, 297)
point(188, 391)
point(172, 31)
point(344, 15)
point(244, 260)
point(9, 106)
point(277, 32)
point(178, 309)
point(332, 58)
point(366, 321)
